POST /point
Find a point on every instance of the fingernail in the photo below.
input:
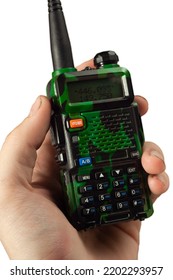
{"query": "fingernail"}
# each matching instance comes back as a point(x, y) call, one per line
point(36, 106)
point(142, 97)
point(164, 181)
point(157, 154)
point(161, 178)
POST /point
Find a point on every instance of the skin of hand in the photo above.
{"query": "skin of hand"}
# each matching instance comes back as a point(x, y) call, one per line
point(32, 226)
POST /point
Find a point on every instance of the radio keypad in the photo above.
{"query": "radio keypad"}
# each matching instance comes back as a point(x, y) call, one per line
point(111, 192)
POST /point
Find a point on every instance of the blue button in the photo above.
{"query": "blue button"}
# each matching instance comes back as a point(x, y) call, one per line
point(85, 161)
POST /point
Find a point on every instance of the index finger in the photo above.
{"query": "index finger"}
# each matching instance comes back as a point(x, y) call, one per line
point(89, 63)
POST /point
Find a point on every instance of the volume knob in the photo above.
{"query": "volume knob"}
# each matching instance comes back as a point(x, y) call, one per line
point(107, 57)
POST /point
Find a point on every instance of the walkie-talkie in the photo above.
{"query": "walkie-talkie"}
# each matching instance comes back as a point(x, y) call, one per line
point(98, 135)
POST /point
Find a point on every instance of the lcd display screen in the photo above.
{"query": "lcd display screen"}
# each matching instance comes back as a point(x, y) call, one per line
point(95, 89)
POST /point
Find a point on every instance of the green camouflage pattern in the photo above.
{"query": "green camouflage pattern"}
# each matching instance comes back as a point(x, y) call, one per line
point(112, 138)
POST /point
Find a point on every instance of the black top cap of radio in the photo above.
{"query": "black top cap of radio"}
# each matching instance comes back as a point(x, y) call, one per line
point(106, 57)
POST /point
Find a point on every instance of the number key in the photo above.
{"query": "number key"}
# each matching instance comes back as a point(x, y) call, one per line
point(119, 183)
point(122, 205)
point(102, 186)
point(87, 200)
point(89, 211)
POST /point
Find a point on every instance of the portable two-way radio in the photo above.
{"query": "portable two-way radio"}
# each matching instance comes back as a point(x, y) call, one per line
point(98, 135)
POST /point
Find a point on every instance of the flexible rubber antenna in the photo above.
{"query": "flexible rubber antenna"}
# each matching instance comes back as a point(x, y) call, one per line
point(60, 43)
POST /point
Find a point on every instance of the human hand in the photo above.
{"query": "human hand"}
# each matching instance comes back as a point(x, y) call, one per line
point(31, 224)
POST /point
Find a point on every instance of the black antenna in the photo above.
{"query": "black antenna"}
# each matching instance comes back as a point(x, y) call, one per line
point(60, 42)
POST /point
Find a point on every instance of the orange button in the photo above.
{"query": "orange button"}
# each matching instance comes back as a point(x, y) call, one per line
point(76, 123)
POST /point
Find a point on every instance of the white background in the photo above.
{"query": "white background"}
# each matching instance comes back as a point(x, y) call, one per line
point(140, 31)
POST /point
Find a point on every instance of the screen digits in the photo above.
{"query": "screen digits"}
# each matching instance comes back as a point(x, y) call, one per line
point(96, 89)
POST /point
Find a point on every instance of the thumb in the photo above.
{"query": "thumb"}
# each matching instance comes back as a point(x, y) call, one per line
point(19, 152)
